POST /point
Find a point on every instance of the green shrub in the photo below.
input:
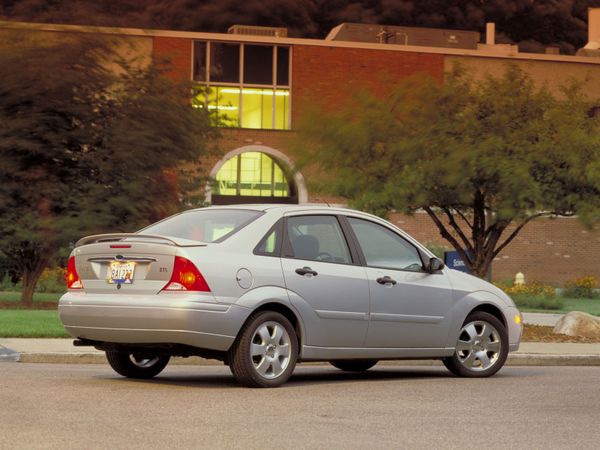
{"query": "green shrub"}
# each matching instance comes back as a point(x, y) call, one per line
point(6, 285)
point(584, 287)
point(52, 280)
point(534, 289)
point(537, 302)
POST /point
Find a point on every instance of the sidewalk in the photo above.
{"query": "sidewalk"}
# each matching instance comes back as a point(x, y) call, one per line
point(63, 351)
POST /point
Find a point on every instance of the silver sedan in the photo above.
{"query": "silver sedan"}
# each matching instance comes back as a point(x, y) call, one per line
point(262, 287)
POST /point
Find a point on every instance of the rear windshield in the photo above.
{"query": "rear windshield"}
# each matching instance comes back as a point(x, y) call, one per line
point(205, 225)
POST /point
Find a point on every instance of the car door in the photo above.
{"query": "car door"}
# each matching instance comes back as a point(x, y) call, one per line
point(326, 282)
point(410, 307)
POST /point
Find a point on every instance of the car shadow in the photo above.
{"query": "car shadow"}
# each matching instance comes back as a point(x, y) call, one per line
point(303, 376)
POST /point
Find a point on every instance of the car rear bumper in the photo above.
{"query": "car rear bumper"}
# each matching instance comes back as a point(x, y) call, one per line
point(174, 318)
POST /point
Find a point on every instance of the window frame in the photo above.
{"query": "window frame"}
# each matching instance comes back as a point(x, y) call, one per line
point(277, 227)
point(241, 85)
point(362, 257)
point(287, 250)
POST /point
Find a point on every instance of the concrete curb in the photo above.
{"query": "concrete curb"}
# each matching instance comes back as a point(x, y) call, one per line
point(519, 359)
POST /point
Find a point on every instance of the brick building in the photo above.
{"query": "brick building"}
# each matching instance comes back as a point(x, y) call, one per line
point(259, 80)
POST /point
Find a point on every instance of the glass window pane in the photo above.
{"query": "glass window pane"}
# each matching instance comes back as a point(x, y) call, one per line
point(226, 179)
point(266, 168)
point(199, 61)
point(268, 96)
point(224, 62)
point(283, 66)
point(318, 238)
point(202, 225)
point(280, 184)
point(384, 248)
point(252, 108)
point(271, 243)
point(226, 102)
point(250, 173)
point(258, 64)
point(282, 109)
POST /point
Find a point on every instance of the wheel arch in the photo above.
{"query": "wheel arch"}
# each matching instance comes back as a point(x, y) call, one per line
point(491, 309)
point(288, 313)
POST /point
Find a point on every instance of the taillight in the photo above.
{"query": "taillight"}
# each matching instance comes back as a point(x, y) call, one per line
point(186, 277)
point(73, 281)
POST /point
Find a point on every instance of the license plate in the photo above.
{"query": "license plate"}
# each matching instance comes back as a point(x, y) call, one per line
point(120, 272)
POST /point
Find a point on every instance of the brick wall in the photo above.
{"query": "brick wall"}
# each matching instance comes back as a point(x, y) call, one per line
point(177, 52)
point(329, 75)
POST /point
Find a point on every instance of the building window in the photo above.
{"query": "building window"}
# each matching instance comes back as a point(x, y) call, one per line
point(245, 85)
point(252, 177)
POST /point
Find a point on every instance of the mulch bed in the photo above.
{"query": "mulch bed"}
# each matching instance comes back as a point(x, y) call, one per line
point(538, 333)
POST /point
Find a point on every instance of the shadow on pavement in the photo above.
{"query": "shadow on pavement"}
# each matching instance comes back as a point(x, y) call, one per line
point(197, 376)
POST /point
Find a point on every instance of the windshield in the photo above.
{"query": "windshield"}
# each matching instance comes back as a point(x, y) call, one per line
point(205, 225)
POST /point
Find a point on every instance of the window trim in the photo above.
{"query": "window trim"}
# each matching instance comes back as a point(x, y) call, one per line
point(277, 227)
point(362, 257)
point(288, 252)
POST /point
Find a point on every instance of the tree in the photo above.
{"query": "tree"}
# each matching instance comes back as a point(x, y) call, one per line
point(88, 143)
point(481, 158)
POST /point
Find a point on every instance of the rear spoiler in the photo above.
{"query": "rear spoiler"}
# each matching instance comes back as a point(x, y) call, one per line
point(135, 237)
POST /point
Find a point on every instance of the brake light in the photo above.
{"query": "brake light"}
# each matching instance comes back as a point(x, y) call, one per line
point(186, 277)
point(73, 281)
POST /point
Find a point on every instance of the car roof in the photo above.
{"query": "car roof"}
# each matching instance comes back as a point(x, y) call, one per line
point(284, 208)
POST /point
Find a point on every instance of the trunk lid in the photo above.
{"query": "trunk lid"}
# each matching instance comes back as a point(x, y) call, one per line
point(125, 264)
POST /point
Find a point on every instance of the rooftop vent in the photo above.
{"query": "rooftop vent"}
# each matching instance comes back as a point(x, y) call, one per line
point(593, 46)
point(390, 34)
point(254, 30)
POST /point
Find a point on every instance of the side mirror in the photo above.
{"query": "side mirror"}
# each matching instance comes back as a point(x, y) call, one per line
point(434, 265)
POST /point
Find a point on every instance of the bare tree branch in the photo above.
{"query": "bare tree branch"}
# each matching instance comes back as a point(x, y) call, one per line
point(457, 228)
point(448, 236)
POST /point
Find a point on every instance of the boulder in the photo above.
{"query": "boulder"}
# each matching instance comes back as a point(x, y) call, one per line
point(578, 323)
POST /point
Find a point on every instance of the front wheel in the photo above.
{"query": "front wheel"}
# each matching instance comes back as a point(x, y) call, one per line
point(353, 365)
point(137, 364)
point(481, 349)
point(265, 352)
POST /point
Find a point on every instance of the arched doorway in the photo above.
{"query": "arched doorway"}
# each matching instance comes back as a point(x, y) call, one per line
point(255, 174)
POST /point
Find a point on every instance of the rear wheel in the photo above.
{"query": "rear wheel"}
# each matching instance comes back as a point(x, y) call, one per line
point(265, 352)
point(137, 364)
point(354, 365)
point(481, 349)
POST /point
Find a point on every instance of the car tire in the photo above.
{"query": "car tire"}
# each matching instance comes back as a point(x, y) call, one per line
point(265, 351)
point(354, 365)
point(137, 364)
point(481, 349)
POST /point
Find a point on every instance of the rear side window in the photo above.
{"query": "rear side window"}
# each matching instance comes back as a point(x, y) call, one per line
point(205, 225)
point(317, 238)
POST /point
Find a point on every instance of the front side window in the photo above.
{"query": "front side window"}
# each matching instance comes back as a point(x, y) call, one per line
point(317, 238)
point(384, 248)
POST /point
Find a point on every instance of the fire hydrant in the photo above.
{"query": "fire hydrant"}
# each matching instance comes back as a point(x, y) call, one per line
point(519, 279)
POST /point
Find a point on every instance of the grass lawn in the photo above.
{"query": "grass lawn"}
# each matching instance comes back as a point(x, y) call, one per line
point(38, 297)
point(588, 305)
point(30, 324)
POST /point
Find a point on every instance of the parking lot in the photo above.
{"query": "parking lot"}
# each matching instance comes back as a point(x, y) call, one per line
point(88, 406)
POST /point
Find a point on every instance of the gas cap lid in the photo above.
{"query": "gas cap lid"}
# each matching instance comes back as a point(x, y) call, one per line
point(244, 278)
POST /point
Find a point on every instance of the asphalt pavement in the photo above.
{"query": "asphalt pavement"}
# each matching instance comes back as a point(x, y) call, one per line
point(89, 406)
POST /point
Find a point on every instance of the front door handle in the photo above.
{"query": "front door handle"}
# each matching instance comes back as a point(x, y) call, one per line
point(306, 270)
point(386, 280)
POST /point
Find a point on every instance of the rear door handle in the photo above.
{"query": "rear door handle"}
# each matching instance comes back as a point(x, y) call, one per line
point(306, 270)
point(386, 280)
